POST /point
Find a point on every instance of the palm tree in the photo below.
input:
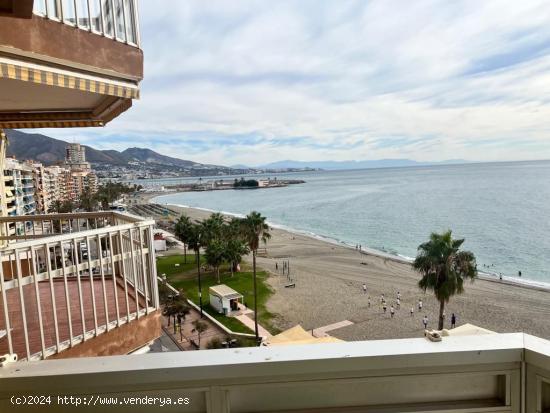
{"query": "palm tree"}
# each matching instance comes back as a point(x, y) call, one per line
point(195, 243)
point(444, 268)
point(255, 230)
point(183, 232)
point(212, 228)
point(215, 255)
point(234, 251)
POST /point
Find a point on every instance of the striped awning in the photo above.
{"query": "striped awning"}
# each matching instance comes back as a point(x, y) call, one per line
point(45, 75)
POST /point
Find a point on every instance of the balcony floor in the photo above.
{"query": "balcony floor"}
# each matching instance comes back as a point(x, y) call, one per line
point(16, 319)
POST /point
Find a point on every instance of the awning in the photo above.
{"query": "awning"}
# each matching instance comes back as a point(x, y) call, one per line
point(45, 75)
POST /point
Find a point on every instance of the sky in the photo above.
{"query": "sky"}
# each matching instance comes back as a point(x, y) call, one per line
point(252, 82)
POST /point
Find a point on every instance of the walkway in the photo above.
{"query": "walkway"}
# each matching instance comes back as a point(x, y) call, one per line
point(247, 321)
point(322, 331)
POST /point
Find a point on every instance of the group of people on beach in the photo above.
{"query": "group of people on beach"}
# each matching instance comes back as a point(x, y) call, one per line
point(397, 306)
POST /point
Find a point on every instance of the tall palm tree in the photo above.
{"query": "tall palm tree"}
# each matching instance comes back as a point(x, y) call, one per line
point(444, 267)
point(183, 231)
point(195, 243)
point(255, 230)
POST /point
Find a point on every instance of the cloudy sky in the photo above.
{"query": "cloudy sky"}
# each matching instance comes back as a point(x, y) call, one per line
point(252, 82)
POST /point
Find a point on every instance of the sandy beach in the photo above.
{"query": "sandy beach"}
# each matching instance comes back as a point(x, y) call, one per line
point(329, 281)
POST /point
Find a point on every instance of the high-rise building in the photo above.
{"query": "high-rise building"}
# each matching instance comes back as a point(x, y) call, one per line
point(75, 154)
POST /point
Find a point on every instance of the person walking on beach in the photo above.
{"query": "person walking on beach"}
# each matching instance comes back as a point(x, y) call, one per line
point(368, 302)
point(364, 288)
point(420, 305)
point(412, 311)
point(392, 311)
point(277, 266)
point(398, 295)
point(384, 307)
point(382, 299)
point(398, 303)
point(453, 320)
point(425, 322)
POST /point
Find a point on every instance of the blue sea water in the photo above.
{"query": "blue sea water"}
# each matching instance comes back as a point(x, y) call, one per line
point(501, 209)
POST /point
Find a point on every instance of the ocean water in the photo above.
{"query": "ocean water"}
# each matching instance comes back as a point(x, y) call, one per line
point(501, 209)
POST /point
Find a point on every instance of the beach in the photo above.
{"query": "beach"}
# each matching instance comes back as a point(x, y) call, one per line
point(329, 279)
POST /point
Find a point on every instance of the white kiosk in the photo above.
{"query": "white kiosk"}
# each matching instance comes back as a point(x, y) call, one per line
point(224, 299)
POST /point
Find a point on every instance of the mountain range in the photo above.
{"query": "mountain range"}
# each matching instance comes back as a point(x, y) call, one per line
point(341, 165)
point(50, 151)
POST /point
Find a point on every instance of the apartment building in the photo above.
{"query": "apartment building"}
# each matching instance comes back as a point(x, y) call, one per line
point(83, 284)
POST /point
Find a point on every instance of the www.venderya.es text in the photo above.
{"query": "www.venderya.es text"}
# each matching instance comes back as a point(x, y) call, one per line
point(97, 400)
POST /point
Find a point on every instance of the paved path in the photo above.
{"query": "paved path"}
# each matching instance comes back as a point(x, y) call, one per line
point(322, 331)
point(247, 321)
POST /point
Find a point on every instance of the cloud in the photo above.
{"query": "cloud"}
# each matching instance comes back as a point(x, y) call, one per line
point(253, 82)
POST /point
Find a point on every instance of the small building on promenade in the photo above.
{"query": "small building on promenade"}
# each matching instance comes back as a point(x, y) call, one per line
point(224, 299)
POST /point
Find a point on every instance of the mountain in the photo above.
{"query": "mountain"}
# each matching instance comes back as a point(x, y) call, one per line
point(50, 151)
point(149, 156)
point(341, 165)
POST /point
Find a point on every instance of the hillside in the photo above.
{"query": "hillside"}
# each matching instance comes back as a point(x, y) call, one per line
point(50, 151)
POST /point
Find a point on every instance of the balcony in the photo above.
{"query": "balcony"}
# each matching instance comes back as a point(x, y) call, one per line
point(468, 374)
point(68, 279)
point(50, 68)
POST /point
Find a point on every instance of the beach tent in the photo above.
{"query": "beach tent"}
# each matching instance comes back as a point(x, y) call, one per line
point(466, 330)
point(297, 335)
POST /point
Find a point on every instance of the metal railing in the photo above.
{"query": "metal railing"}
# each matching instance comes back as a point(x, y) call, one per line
point(115, 19)
point(71, 277)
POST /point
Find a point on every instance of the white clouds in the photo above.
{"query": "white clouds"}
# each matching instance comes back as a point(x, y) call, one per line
point(438, 75)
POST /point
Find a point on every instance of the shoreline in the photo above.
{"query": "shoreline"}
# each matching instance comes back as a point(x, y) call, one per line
point(329, 278)
point(368, 251)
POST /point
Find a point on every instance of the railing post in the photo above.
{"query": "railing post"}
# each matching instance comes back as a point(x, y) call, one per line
point(5, 305)
point(111, 251)
point(144, 270)
point(153, 266)
point(102, 272)
point(76, 262)
point(33, 267)
point(68, 302)
point(52, 291)
point(92, 283)
point(122, 259)
point(22, 302)
point(134, 270)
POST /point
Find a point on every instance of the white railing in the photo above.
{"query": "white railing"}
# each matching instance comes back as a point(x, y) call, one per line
point(115, 19)
point(71, 277)
point(470, 374)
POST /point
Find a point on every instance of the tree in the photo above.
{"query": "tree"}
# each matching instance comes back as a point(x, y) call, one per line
point(215, 255)
point(200, 327)
point(212, 228)
point(175, 307)
point(444, 268)
point(195, 243)
point(88, 200)
point(255, 230)
point(183, 232)
point(234, 251)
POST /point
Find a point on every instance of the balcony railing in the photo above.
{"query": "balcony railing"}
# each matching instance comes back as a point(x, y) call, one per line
point(66, 278)
point(494, 373)
point(116, 19)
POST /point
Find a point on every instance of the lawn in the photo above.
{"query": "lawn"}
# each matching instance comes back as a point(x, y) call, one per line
point(167, 265)
point(185, 277)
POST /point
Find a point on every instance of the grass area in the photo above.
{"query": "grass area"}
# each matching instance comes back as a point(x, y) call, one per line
point(167, 265)
point(185, 277)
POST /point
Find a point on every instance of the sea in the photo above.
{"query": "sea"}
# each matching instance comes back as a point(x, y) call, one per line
point(502, 210)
